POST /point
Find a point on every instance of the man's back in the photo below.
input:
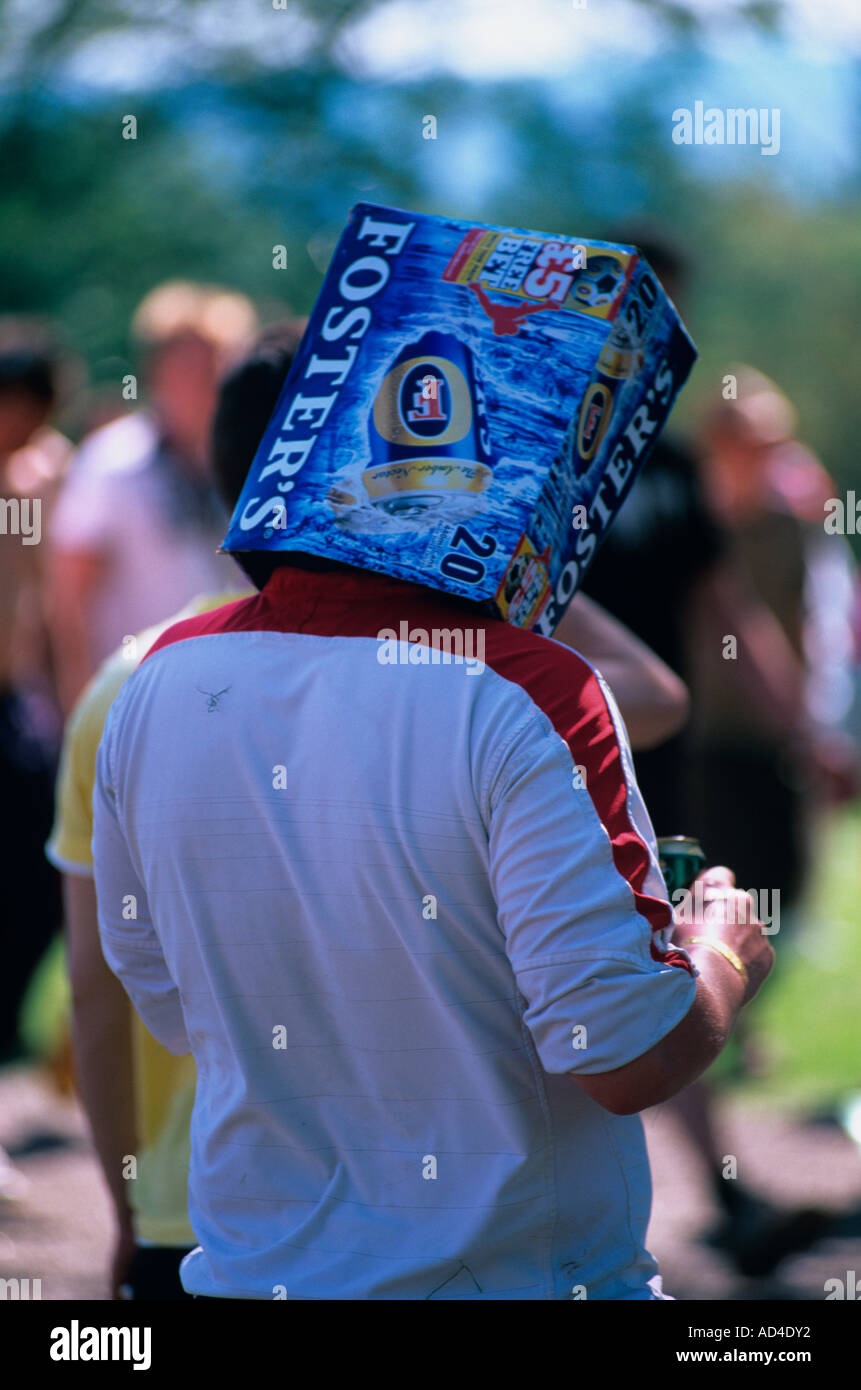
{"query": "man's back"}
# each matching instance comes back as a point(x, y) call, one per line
point(396, 922)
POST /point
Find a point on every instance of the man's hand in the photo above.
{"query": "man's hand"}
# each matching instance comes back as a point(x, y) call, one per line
point(727, 916)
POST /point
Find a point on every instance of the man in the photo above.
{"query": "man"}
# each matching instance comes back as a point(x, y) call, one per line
point(409, 922)
point(138, 522)
point(138, 1098)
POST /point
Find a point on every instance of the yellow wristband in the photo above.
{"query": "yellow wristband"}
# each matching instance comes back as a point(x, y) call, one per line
point(726, 951)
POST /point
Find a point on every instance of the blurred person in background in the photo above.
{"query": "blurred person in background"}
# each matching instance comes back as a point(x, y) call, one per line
point(804, 486)
point(853, 718)
point(137, 524)
point(138, 1097)
point(33, 458)
point(769, 493)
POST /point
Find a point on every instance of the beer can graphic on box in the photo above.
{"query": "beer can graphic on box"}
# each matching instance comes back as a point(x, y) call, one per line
point(468, 409)
point(428, 430)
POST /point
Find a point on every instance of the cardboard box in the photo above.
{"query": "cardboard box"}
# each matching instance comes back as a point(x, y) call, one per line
point(468, 409)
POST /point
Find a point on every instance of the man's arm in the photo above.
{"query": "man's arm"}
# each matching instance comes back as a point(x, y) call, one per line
point(652, 699)
point(102, 1043)
point(611, 1000)
point(772, 673)
point(580, 900)
point(685, 1053)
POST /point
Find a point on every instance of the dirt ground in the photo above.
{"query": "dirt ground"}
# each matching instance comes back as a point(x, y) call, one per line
point(59, 1228)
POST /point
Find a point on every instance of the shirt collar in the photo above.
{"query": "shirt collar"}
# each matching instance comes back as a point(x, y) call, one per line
point(287, 584)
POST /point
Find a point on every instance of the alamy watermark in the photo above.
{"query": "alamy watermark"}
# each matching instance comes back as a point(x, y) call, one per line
point(77, 1343)
point(733, 125)
point(20, 1290)
point(843, 515)
point(848, 1288)
point(441, 646)
point(690, 907)
point(21, 516)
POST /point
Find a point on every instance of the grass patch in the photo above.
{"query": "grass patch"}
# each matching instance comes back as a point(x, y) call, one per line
point(808, 1017)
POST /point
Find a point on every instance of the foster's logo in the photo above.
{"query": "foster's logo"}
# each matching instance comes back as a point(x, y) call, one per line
point(423, 401)
point(595, 415)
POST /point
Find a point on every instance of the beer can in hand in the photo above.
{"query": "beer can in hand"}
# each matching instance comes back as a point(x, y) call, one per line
point(681, 858)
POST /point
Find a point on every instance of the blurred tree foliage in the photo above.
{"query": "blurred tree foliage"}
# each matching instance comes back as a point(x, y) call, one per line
point(37, 39)
point(241, 154)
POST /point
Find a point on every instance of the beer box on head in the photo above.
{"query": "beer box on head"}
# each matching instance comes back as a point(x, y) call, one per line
point(468, 409)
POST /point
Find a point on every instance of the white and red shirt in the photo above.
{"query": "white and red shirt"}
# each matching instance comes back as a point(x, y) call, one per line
point(389, 901)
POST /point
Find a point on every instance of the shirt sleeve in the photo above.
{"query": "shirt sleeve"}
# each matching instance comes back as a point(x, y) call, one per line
point(586, 919)
point(129, 941)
